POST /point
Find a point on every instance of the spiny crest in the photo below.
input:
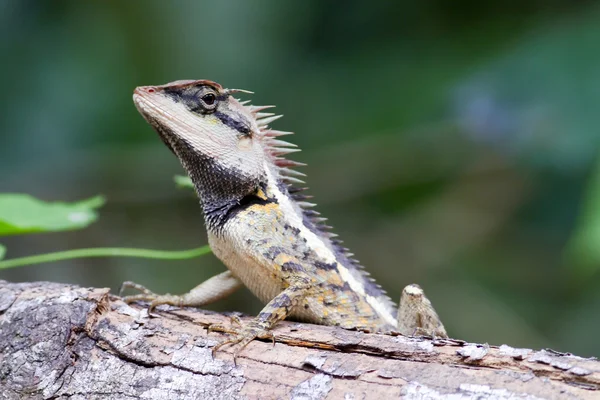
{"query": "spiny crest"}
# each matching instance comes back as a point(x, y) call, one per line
point(278, 149)
point(275, 147)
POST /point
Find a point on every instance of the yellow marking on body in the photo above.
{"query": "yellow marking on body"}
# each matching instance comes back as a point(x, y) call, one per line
point(331, 278)
point(365, 322)
point(325, 310)
point(282, 258)
point(264, 208)
point(261, 194)
point(262, 215)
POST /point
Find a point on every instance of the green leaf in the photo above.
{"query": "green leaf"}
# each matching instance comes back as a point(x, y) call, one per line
point(183, 182)
point(22, 213)
point(2, 252)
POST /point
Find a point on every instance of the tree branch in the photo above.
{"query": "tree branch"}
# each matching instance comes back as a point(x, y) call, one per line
point(62, 341)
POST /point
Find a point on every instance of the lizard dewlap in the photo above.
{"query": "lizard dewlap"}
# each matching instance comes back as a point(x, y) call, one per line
point(259, 223)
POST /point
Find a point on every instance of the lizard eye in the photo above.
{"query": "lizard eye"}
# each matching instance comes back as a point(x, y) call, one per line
point(209, 100)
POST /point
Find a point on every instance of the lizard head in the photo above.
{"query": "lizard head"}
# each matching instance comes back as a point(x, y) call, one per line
point(225, 146)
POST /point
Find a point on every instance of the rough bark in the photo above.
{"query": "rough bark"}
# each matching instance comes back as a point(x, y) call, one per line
point(61, 341)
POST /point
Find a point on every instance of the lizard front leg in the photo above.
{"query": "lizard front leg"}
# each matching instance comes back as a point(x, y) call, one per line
point(260, 327)
point(209, 291)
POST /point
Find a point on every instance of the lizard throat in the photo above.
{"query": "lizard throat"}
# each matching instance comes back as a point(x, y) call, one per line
point(223, 192)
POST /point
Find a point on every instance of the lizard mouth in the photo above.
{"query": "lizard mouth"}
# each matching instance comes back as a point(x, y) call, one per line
point(146, 102)
point(140, 98)
point(139, 101)
point(144, 105)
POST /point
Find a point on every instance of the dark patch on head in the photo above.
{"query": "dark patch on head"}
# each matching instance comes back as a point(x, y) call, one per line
point(325, 266)
point(181, 93)
point(234, 121)
point(291, 266)
point(192, 97)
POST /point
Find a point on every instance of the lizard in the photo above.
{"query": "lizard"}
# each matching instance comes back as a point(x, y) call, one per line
point(260, 224)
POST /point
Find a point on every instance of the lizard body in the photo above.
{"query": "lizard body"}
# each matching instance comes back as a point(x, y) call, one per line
point(259, 223)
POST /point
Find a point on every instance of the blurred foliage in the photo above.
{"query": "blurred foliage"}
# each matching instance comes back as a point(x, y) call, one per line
point(21, 213)
point(452, 144)
point(2, 252)
point(583, 251)
point(183, 182)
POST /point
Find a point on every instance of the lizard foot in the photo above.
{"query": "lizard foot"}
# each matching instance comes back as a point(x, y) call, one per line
point(147, 295)
point(241, 335)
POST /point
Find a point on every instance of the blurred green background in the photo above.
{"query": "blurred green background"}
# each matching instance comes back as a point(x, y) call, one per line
point(451, 143)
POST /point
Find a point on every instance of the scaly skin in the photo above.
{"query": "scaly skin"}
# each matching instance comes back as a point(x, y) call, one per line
point(260, 225)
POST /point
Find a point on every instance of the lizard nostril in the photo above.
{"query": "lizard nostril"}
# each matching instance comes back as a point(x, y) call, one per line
point(151, 90)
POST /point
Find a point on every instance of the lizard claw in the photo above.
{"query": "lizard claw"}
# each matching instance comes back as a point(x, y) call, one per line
point(147, 295)
point(241, 335)
point(132, 285)
point(235, 320)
